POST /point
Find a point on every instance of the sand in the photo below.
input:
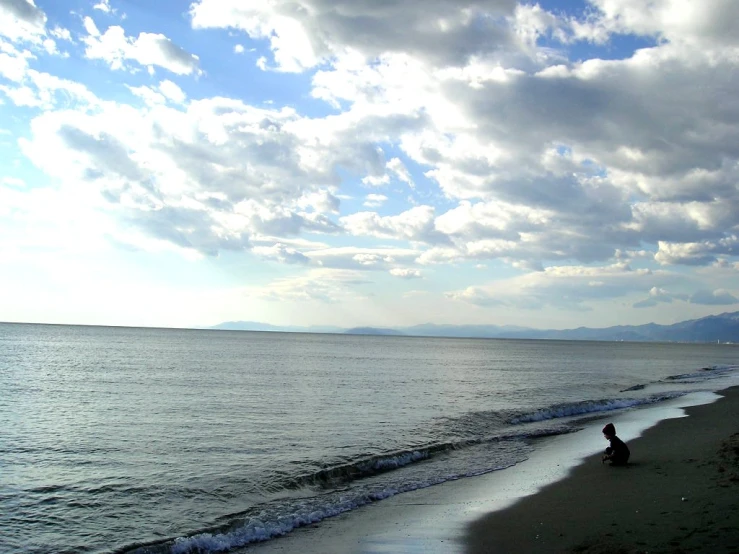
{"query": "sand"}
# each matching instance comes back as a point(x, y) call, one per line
point(679, 493)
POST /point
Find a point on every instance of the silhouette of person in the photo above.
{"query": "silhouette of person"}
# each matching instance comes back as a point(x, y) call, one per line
point(618, 453)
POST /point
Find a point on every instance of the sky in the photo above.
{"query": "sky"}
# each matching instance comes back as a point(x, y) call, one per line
point(368, 163)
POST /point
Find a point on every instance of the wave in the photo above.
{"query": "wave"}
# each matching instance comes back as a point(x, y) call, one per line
point(278, 518)
point(589, 407)
point(705, 374)
point(341, 474)
point(272, 520)
point(336, 475)
point(347, 486)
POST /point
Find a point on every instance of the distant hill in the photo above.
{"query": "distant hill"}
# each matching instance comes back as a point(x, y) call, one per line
point(371, 331)
point(467, 331)
point(714, 328)
point(256, 326)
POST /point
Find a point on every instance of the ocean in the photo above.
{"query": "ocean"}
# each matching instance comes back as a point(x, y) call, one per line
point(167, 440)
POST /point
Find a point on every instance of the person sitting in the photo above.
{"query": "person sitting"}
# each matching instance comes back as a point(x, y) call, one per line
point(618, 453)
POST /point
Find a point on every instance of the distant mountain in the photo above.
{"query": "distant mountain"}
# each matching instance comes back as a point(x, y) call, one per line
point(256, 326)
point(371, 331)
point(462, 331)
point(714, 328)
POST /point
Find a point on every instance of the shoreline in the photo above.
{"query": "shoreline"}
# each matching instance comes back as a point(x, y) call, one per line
point(679, 493)
point(439, 519)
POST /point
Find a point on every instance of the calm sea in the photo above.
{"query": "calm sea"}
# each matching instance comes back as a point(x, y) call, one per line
point(154, 440)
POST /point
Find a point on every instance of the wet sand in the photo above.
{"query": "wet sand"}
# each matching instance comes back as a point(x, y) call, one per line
point(679, 494)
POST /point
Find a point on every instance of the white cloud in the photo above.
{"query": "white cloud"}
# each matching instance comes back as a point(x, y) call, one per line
point(395, 170)
point(405, 273)
point(172, 91)
point(13, 62)
point(376, 181)
point(565, 287)
point(42, 90)
point(149, 95)
point(695, 253)
point(710, 22)
point(398, 168)
point(375, 200)
point(416, 224)
point(658, 296)
point(103, 6)
point(365, 259)
point(61, 34)
point(281, 253)
point(316, 285)
point(14, 182)
point(165, 91)
point(89, 25)
point(209, 176)
point(148, 49)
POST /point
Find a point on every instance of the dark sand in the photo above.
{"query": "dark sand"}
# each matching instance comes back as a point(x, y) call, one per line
point(679, 494)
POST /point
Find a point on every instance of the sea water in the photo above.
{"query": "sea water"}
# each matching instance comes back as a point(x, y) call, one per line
point(162, 440)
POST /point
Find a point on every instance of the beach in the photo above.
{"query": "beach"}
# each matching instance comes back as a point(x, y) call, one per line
point(679, 493)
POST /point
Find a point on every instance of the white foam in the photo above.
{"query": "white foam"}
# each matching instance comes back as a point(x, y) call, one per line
point(259, 530)
point(595, 406)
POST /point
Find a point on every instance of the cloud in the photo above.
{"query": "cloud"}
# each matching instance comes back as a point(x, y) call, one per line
point(326, 286)
point(362, 259)
point(14, 182)
point(25, 11)
point(148, 49)
point(303, 33)
point(565, 287)
point(282, 253)
point(395, 171)
point(208, 175)
point(717, 297)
point(35, 89)
point(160, 94)
point(696, 253)
point(659, 296)
point(505, 149)
point(594, 146)
point(375, 200)
point(103, 6)
point(712, 22)
point(22, 20)
point(405, 273)
point(416, 224)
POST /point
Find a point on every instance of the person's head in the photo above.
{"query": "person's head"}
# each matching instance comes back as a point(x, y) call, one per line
point(609, 431)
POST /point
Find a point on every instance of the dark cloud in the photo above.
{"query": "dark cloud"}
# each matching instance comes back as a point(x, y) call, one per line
point(184, 227)
point(713, 298)
point(25, 11)
point(177, 54)
point(444, 32)
point(107, 154)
